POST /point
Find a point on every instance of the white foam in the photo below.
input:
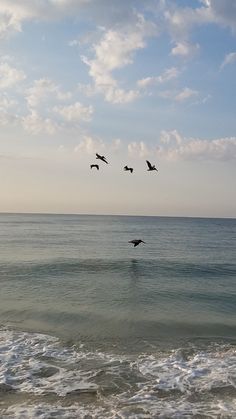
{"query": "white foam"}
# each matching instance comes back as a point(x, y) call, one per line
point(46, 411)
point(36, 363)
point(147, 408)
point(199, 372)
point(165, 385)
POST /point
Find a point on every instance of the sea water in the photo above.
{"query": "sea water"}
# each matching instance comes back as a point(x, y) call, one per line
point(92, 327)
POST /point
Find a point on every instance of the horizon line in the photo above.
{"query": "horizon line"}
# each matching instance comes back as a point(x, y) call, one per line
point(116, 215)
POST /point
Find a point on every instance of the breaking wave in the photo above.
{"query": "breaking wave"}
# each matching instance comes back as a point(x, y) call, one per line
point(43, 377)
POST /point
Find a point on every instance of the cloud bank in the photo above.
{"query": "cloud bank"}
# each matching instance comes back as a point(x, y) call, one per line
point(174, 147)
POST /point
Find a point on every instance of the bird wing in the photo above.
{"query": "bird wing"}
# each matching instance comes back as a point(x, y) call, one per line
point(149, 164)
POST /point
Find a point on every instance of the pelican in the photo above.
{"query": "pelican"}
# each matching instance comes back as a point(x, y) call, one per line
point(126, 168)
point(151, 166)
point(101, 158)
point(94, 165)
point(136, 242)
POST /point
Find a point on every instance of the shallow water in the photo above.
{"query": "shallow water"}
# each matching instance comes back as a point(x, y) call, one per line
point(93, 327)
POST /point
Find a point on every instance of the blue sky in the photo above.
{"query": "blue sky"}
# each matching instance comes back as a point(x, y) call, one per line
point(131, 80)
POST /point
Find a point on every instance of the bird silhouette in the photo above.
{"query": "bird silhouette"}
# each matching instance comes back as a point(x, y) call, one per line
point(151, 166)
point(126, 168)
point(136, 242)
point(101, 158)
point(94, 165)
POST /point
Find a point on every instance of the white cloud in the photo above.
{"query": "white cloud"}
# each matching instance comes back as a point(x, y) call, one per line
point(10, 76)
point(116, 144)
point(8, 23)
point(184, 49)
point(75, 112)
point(73, 43)
point(114, 51)
point(18, 12)
point(90, 145)
point(170, 137)
point(7, 105)
point(114, 94)
point(185, 94)
point(180, 21)
point(223, 12)
point(146, 82)
point(6, 102)
point(111, 13)
point(138, 149)
point(41, 90)
point(201, 100)
point(14, 13)
point(63, 95)
point(7, 118)
point(169, 74)
point(35, 124)
point(174, 147)
point(229, 59)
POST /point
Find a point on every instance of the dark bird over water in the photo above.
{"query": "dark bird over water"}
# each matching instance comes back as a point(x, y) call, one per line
point(136, 242)
point(94, 165)
point(151, 166)
point(126, 168)
point(101, 158)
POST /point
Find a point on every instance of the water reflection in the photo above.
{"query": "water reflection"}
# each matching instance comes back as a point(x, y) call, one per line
point(135, 269)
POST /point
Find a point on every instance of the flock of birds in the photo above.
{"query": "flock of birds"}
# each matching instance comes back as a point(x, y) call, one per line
point(151, 167)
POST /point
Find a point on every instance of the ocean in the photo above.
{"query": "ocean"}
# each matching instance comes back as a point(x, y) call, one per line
point(93, 327)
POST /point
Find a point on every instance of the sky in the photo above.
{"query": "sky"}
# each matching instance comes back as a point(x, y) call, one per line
point(131, 80)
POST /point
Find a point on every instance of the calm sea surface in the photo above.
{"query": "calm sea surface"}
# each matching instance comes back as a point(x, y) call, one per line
point(91, 327)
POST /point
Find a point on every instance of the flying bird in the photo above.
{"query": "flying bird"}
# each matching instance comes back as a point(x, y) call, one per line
point(126, 168)
point(136, 242)
point(101, 158)
point(151, 166)
point(94, 165)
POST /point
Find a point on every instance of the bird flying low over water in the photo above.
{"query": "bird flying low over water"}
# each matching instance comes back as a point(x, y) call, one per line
point(101, 158)
point(136, 242)
point(94, 165)
point(151, 166)
point(126, 168)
